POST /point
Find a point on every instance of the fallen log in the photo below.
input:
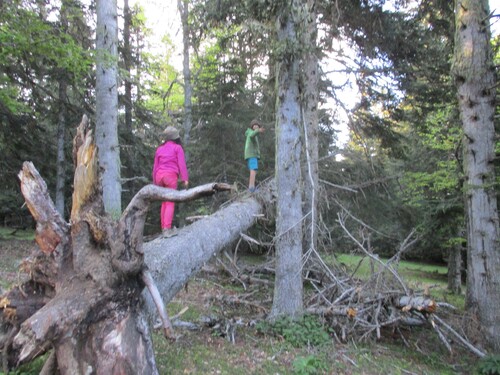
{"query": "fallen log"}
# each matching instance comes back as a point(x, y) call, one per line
point(172, 261)
point(418, 303)
point(90, 274)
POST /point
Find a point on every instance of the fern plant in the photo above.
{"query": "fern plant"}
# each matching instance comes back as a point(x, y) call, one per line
point(489, 365)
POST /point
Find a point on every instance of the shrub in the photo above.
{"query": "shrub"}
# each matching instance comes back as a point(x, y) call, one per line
point(489, 365)
point(305, 331)
point(308, 365)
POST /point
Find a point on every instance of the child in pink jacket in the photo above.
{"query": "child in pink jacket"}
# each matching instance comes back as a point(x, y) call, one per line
point(169, 165)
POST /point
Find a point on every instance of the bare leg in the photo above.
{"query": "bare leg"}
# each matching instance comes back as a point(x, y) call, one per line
point(251, 182)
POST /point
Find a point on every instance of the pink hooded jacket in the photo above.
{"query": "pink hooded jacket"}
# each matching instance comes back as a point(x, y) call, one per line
point(169, 158)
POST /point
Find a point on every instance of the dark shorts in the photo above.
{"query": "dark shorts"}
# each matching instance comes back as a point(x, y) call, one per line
point(253, 164)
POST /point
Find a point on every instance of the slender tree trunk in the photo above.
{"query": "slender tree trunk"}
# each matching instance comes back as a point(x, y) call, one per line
point(310, 100)
point(183, 6)
point(288, 288)
point(476, 83)
point(61, 157)
point(107, 104)
point(127, 61)
point(61, 125)
point(455, 269)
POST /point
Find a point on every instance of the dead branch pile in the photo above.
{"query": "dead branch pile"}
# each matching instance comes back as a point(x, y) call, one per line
point(355, 309)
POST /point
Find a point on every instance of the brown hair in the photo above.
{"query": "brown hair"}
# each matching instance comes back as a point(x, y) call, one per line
point(254, 122)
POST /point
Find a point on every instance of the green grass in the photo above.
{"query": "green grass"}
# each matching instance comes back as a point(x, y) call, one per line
point(284, 351)
point(7, 233)
point(14, 246)
point(202, 353)
point(32, 368)
point(411, 271)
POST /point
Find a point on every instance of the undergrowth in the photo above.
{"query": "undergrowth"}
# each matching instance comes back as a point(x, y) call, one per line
point(306, 331)
point(489, 365)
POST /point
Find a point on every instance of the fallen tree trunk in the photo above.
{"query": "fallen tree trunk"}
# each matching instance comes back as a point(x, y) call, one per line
point(84, 294)
point(174, 260)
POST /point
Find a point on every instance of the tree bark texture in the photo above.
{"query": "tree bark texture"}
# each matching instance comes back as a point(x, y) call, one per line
point(310, 100)
point(455, 269)
point(475, 79)
point(61, 141)
point(172, 261)
point(127, 62)
point(288, 287)
point(61, 121)
point(107, 104)
point(88, 272)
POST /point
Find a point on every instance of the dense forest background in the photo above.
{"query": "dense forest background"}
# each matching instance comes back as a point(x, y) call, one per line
point(385, 78)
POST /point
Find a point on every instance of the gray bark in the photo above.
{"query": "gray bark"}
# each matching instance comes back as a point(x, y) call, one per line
point(107, 104)
point(61, 125)
point(288, 288)
point(61, 138)
point(475, 79)
point(455, 268)
point(310, 100)
point(172, 261)
point(127, 61)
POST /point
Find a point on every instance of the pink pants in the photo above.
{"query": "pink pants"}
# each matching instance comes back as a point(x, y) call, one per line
point(168, 180)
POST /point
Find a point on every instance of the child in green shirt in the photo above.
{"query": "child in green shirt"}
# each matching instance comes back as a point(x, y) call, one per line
point(252, 151)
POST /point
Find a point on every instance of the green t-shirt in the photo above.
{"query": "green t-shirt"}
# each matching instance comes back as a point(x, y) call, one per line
point(252, 149)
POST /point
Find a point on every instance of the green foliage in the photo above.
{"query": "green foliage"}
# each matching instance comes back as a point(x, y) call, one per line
point(7, 233)
point(489, 365)
point(32, 368)
point(309, 365)
point(404, 155)
point(42, 46)
point(232, 87)
point(306, 331)
point(163, 92)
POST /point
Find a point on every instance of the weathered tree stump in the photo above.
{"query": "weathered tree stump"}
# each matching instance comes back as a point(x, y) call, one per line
point(83, 298)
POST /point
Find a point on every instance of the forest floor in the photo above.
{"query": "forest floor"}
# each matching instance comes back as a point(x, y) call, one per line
point(227, 335)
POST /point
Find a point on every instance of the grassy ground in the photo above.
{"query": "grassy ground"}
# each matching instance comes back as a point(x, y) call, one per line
point(302, 348)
